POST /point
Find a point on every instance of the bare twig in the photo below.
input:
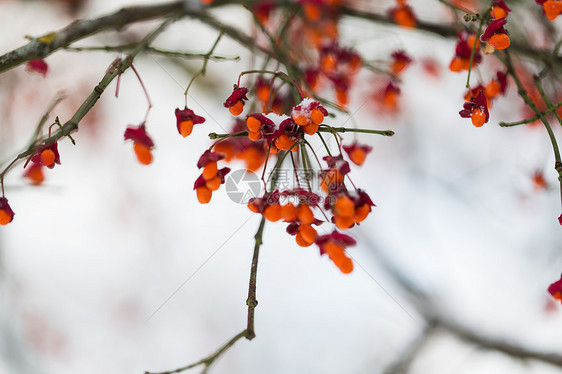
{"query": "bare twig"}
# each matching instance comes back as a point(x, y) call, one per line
point(51, 42)
point(116, 68)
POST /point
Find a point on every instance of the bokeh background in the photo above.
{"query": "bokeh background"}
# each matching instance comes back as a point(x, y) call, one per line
point(111, 266)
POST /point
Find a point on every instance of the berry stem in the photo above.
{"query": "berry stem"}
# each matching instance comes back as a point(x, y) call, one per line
point(532, 119)
point(473, 51)
point(203, 70)
point(330, 129)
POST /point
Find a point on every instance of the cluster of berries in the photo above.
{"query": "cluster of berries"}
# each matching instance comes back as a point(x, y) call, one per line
point(301, 208)
point(478, 99)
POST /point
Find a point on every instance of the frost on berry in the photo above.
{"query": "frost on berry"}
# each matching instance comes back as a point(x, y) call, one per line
point(235, 102)
point(476, 109)
point(309, 115)
point(495, 35)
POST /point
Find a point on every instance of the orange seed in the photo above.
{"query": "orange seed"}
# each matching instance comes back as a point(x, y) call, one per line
point(186, 127)
point(143, 152)
point(204, 194)
point(47, 157)
point(237, 108)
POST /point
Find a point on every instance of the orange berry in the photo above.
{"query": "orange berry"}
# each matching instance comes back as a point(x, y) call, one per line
point(301, 120)
point(301, 241)
point(284, 142)
point(341, 97)
point(311, 12)
point(186, 127)
point(404, 18)
point(470, 41)
point(35, 174)
point(254, 135)
point(456, 65)
point(204, 194)
point(361, 213)
point(358, 156)
point(254, 159)
point(331, 178)
point(338, 257)
point(210, 170)
point(143, 152)
point(329, 63)
point(47, 157)
point(499, 41)
point(262, 93)
point(398, 66)
point(355, 64)
point(305, 214)
point(227, 149)
point(253, 207)
point(552, 9)
point(214, 183)
point(253, 124)
point(330, 30)
point(344, 264)
point(289, 212)
point(316, 116)
point(390, 99)
point(478, 118)
point(272, 212)
point(307, 232)
point(237, 108)
point(5, 218)
point(492, 89)
point(310, 129)
point(344, 206)
point(498, 12)
point(342, 222)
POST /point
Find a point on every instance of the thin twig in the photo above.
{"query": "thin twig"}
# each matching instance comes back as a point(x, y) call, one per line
point(523, 93)
point(330, 129)
point(153, 50)
point(532, 119)
point(116, 68)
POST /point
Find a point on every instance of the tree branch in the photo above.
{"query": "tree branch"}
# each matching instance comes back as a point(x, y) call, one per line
point(49, 43)
point(509, 349)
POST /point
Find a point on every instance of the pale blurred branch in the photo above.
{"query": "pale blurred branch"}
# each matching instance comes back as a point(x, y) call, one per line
point(434, 321)
point(510, 349)
point(403, 363)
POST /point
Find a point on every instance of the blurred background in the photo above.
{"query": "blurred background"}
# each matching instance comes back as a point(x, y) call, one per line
point(111, 266)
